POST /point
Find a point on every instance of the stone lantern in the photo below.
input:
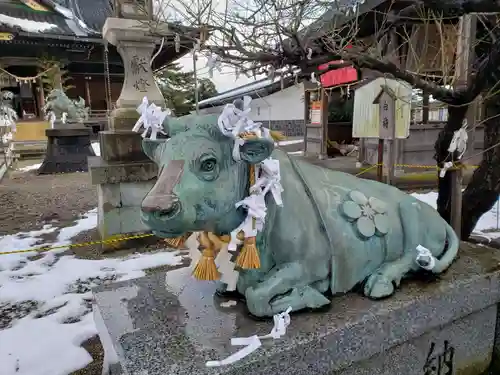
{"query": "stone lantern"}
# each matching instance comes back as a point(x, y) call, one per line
point(123, 173)
point(131, 34)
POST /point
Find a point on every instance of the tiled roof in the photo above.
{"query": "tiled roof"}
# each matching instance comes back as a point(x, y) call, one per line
point(17, 17)
point(92, 12)
point(80, 18)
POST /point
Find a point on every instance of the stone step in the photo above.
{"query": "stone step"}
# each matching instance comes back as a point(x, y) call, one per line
point(169, 323)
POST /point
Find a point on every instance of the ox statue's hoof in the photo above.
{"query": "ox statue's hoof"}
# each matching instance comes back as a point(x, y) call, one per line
point(377, 286)
point(257, 305)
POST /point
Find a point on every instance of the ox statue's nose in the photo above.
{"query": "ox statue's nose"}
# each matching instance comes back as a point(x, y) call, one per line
point(164, 207)
point(161, 202)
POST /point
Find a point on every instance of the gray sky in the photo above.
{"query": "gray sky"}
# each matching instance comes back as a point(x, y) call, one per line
point(223, 81)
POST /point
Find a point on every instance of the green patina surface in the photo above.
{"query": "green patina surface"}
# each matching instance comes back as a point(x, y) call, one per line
point(333, 232)
point(59, 103)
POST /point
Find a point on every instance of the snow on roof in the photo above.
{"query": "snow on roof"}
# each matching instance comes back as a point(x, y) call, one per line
point(242, 90)
point(26, 25)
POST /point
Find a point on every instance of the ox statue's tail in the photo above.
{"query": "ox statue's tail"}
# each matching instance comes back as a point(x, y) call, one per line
point(450, 253)
point(427, 260)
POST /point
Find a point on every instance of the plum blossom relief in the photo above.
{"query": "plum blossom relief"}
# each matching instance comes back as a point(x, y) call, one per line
point(369, 215)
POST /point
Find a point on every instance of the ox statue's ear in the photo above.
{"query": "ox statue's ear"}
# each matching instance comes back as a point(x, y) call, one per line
point(153, 148)
point(174, 125)
point(256, 150)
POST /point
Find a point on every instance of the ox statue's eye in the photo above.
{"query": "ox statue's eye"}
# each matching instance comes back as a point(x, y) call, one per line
point(208, 165)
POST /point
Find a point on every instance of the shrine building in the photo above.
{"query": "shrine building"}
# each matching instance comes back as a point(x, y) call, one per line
point(35, 34)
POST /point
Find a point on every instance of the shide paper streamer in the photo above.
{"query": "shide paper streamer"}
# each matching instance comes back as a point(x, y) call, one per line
point(152, 117)
point(252, 343)
point(234, 122)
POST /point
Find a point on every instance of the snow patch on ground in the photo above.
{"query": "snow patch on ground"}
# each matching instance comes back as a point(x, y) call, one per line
point(29, 167)
point(488, 222)
point(45, 301)
point(290, 142)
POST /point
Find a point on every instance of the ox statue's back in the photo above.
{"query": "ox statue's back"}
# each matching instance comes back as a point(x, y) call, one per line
point(333, 231)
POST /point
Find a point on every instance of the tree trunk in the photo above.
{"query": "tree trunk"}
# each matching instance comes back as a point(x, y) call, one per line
point(456, 116)
point(482, 191)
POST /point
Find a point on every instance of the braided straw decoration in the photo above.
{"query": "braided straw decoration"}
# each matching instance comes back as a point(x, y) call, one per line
point(248, 258)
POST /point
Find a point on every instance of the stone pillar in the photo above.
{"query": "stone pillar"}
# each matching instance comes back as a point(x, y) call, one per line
point(135, 47)
point(123, 173)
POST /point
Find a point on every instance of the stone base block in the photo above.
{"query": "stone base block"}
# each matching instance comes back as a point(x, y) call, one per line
point(121, 187)
point(119, 207)
point(170, 323)
point(67, 151)
point(121, 145)
point(104, 172)
point(123, 118)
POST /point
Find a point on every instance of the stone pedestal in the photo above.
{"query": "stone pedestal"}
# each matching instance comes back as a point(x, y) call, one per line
point(121, 187)
point(67, 151)
point(123, 173)
point(170, 323)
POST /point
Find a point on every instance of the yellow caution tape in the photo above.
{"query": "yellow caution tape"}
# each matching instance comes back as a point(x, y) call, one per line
point(42, 249)
point(119, 239)
point(418, 166)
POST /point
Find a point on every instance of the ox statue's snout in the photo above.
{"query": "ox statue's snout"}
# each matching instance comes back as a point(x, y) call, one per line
point(161, 202)
point(163, 207)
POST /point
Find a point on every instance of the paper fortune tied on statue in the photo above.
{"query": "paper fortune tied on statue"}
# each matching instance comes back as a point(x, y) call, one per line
point(152, 117)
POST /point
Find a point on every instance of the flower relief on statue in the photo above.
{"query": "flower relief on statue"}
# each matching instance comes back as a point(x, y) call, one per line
point(368, 215)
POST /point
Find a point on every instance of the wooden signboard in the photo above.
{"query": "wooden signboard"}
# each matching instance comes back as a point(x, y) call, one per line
point(316, 113)
point(386, 99)
point(6, 36)
point(315, 118)
point(366, 116)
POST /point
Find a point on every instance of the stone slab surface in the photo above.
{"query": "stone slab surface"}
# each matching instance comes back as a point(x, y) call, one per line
point(124, 194)
point(463, 347)
point(121, 145)
point(119, 207)
point(103, 172)
point(169, 323)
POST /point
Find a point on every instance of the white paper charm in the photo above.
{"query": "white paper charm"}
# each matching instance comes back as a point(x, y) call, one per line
point(445, 168)
point(425, 259)
point(152, 117)
point(252, 343)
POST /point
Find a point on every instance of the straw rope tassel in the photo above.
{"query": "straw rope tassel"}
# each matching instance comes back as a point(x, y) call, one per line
point(206, 268)
point(178, 242)
point(248, 258)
